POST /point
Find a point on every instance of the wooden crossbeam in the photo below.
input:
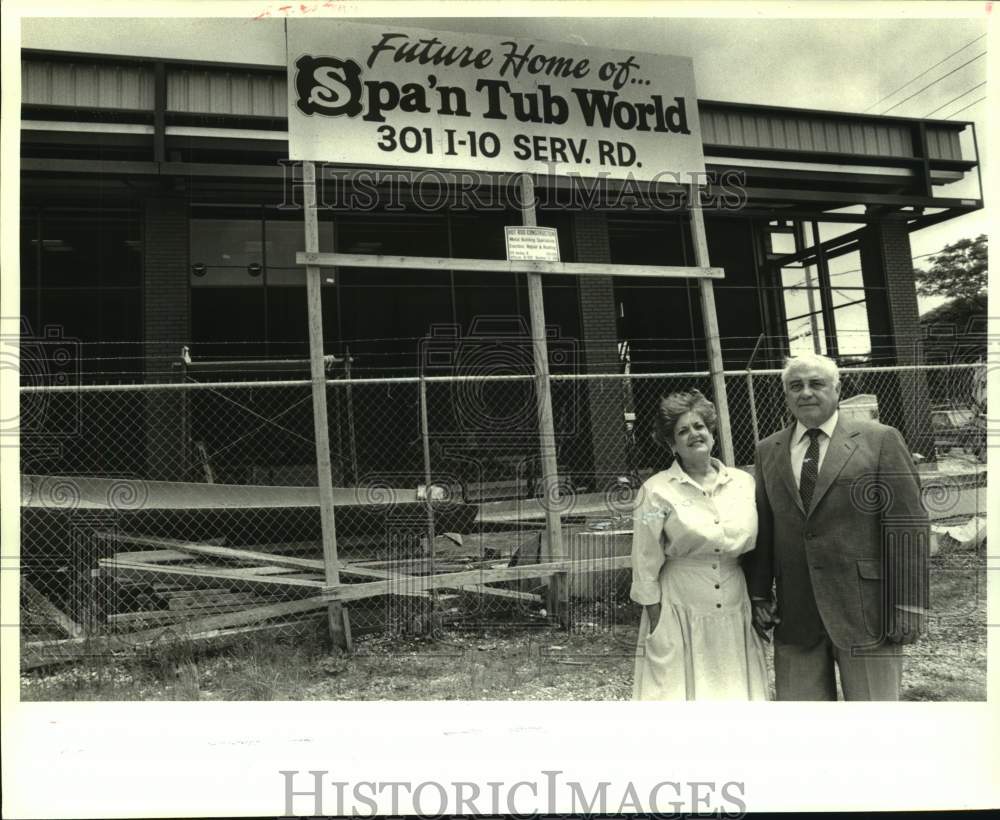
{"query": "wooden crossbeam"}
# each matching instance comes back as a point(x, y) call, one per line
point(243, 576)
point(211, 551)
point(414, 583)
point(498, 592)
point(122, 562)
point(368, 260)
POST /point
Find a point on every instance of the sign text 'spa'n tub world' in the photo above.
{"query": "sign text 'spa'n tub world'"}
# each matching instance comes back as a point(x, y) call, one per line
point(366, 95)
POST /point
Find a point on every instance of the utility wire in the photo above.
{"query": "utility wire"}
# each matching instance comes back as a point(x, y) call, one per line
point(960, 110)
point(956, 98)
point(887, 96)
point(935, 82)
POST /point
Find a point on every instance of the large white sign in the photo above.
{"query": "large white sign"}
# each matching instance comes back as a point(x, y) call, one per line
point(397, 96)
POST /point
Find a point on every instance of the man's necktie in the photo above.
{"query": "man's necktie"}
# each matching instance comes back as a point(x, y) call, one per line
point(810, 468)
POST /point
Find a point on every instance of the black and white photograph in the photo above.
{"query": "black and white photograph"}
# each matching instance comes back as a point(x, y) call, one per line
point(446, 360)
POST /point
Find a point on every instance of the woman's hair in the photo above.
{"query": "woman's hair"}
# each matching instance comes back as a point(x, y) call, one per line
point(674, 406)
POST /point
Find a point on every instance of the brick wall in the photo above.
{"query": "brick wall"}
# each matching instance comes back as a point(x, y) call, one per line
point(897, 264)
point(888, 249)
point(167, 319)
point(605, 401)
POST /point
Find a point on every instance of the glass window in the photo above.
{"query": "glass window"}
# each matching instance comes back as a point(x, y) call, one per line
point(89, 250)
point(853, 336)
point(29, 311)
point(282, 240)
point(226, 253)
point(403, 235)
point(794, 276)
point(805, 335)
point(845, 296)
point(227, 322)
point(801, 301)
point(407, 235)
point(480, 236)
point(831, 230)
point(29, 249)
point(845, 271)
point(654, 240)
point(782, 242)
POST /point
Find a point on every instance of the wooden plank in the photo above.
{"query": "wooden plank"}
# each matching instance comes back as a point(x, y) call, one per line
point(372, 572)
point(199, 601)
point(349, 592)
point(147, 618)
point(418, 563)
point(156, 556)
point(287, 547)
point(187, 592)
point(244, 576)
point(417, 263)
point(309, 576)
point(152, 556)
point(497, 592)
point(339, 623)
point(710, 320)
point(211, 551)
point(552, 547)
point(252, 573)
point(50, 610)
point(126, 573)
point(55, 654)
point(127, 568)
point(80, 646)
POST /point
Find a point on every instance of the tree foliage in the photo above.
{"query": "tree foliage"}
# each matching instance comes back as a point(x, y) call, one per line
point(956, 330)
point(958, 271)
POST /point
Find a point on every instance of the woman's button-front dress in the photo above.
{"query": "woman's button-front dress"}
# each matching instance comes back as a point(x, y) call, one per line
point(685, 551)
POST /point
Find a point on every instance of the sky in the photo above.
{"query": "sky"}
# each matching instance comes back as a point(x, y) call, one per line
point(890, 61)
point(873, 65)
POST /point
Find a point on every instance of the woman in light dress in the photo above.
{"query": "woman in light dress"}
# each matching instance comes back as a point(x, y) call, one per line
point(692, 522)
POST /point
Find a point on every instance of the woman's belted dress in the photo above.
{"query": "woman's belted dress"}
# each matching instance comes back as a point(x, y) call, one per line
point(685, 556)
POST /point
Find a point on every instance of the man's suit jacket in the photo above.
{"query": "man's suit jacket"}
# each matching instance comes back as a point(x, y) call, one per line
point(858, 552)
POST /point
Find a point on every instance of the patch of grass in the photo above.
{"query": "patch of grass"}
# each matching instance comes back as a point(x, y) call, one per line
point(592, 661)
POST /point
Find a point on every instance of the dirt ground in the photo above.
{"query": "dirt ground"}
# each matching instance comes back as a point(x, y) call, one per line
point(533, 660)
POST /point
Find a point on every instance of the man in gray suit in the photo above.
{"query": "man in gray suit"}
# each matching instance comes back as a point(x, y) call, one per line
point(843, 539)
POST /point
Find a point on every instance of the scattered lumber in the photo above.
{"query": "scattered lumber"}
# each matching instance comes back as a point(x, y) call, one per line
point(203, 599)
point(350, 592)
point(483, 545)
point(43, 653)
point(204, 591)
point(209, 639)
point(49, 610)
point(227, 553)
point(205, 573)
point(149, 617)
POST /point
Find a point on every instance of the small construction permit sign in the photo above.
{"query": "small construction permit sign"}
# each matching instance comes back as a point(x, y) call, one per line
point(528, 244)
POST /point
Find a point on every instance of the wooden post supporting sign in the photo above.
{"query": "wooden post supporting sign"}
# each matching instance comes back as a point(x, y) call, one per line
point(340, 627)
point(711, 320)
point(553, 555)
point(546, 425)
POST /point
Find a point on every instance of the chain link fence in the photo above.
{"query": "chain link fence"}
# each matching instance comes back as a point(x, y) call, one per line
point(154, 515)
